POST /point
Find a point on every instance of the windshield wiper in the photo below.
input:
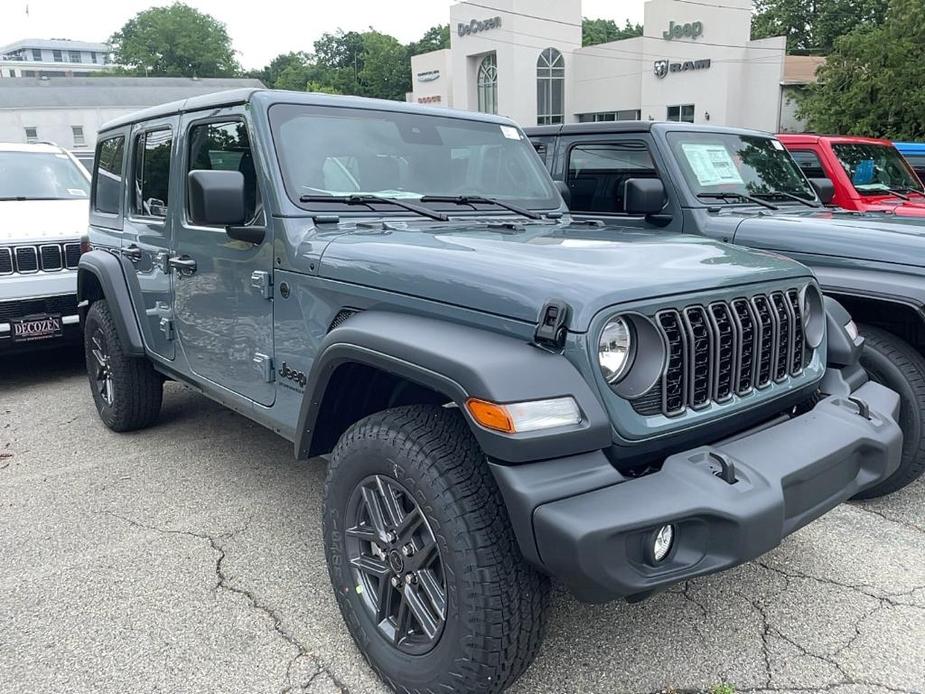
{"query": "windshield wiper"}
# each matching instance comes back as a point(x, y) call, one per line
point(473, 200)
point(739, 196)
point(369, 199)
point(895, 192)
point(789, 196)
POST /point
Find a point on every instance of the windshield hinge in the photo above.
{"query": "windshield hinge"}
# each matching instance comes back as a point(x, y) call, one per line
point(553, 325)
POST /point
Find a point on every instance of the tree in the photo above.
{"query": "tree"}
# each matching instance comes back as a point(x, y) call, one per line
point(595, 31)
point(174, 41)
point(434, 39)
point(873, 82)
point(811, 26)
point(284, 62)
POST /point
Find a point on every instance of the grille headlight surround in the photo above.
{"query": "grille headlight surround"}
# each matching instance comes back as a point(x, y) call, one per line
point(615, 349)
point(813, 311)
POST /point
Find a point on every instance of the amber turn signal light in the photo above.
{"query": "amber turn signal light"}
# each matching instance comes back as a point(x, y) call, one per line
point(490, 415)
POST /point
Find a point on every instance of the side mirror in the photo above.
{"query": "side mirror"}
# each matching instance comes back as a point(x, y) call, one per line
point(824, 188)
point(643, 196)
point(565, 192)
point(216, 198)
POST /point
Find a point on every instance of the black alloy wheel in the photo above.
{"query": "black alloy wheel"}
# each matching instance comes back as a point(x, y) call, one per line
point(102, 375)
point(396, 564)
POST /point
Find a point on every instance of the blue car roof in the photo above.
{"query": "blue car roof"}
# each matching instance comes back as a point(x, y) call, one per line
point(910, 147)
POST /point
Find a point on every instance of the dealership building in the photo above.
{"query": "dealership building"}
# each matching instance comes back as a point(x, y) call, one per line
point(695, 62)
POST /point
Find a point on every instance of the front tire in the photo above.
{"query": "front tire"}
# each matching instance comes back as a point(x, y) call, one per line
point(422, 558)
point(894, 363)
point(127, 390)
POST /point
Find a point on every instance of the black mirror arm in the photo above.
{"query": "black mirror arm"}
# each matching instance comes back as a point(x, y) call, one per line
point(247, 234)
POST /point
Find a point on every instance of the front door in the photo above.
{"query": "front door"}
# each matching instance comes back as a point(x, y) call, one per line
point(223, 304)
point(148, 227)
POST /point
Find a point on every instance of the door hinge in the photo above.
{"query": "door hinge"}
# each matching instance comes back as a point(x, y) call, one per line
point(552, 328)
point(260, 281)
point(166, 326)
point(265, 364)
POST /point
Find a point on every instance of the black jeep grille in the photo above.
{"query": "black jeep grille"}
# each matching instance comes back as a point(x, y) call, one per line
point(47, 257)
point(65, 304)
point(726, 348)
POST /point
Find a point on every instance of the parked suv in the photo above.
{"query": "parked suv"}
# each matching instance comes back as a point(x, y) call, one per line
point(868, 175)
point(741, 186)
point(43, 215)
point(505, 394)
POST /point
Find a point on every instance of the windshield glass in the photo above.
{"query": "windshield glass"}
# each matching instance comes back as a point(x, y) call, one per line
point(876, 169)
point(41, 176)
point(342, 151)
point(737, 165)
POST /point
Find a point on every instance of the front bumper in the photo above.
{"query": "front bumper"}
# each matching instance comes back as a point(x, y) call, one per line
point(39, 293)
point(584, 523)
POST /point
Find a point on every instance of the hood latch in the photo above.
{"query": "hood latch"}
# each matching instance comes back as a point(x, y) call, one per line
point(552, 328)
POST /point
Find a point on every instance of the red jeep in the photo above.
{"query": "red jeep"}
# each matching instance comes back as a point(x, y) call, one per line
point(868, 174)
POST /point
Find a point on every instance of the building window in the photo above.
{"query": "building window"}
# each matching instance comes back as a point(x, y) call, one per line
point(36, 54)
point(74, 56)
point(12, 72)
point(78, 132)
point(681, 114)
point(58, 56)
point(28, 73)
point(488, 84)
point(32, 134)
point(608, 116)
point(550, 87)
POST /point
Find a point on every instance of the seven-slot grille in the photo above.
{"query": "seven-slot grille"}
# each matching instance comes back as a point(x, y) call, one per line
point(725, 349)
point(47, 257)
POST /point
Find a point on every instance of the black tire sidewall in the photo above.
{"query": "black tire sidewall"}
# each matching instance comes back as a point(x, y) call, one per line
point(371, 456)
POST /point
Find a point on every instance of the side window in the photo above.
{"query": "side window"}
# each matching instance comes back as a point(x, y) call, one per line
point(540, 148)
point(809, 162)
point(152, 173)
point(226, 147)
point(597, 174)
point(108, 184)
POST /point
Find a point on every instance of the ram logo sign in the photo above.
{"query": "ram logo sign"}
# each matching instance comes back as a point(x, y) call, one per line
point(663, 68)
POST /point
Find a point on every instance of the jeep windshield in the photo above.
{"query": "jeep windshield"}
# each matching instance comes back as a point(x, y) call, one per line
point(41, 176)
point(877, 169)
point(442, 162)
point(729, 168)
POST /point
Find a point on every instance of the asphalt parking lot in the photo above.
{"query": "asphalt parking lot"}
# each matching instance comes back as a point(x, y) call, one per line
point(187, 558)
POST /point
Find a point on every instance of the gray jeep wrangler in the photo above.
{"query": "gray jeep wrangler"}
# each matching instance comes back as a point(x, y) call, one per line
point(505, 394)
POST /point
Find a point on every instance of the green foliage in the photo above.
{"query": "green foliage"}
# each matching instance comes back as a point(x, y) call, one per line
point(595, 31)
point(873, 82)
point(434, 39)
point(723, 688)
point(812, 26)
point(174, 41)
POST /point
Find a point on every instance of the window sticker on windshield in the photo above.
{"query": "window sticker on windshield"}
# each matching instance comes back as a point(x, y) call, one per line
point(863, 172)
point(510, 133)
point(711, 163)
point(777, 145)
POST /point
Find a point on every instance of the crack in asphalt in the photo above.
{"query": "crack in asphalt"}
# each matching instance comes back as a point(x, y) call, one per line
point(224, 584)
point(899, 521)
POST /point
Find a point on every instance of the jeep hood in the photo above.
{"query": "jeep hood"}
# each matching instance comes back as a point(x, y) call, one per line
point(866, 236)
point(41, 221)
point(515, 274)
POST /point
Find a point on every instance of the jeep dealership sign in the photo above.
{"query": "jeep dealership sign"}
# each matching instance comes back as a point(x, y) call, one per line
point(690, 30)
point(477, 25)
point(663, 67)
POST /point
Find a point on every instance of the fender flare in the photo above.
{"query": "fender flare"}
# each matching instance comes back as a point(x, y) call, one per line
point(107, 270)
point(460, 362)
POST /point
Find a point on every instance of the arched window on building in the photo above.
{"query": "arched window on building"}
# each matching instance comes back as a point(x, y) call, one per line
point(488, 84)
point(550, 87)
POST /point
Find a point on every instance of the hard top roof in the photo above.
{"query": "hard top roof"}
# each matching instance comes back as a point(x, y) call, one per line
point(271, 96)
point(633, 126)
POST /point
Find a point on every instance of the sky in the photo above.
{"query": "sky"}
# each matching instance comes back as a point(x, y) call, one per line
point(262, 30)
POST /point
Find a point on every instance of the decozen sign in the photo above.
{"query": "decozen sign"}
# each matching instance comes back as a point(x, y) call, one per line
point(663, 67)
point(477, 25)
point(691, 30)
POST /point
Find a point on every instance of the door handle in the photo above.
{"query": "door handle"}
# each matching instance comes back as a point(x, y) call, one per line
point(183, 264)
point(133, 253)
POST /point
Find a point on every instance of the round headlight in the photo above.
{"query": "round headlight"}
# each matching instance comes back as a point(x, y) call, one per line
point(614, 349)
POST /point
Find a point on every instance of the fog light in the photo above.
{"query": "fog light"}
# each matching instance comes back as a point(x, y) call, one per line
point(662, 543)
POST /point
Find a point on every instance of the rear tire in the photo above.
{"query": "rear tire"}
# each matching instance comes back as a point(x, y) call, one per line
point(421, 462)
point(893, 362)
point(127, 390)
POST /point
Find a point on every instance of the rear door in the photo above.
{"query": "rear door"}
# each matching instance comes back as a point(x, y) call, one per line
point(224, 306)
point(148, 227)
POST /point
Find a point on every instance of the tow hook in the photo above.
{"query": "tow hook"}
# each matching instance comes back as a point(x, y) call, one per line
point(863, 407)
point(727, 469)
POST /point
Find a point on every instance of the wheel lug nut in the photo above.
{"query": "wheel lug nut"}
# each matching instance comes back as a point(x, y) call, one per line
point(390, 536)
point(411, 579)
point(408, 550)
point(395, 582)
